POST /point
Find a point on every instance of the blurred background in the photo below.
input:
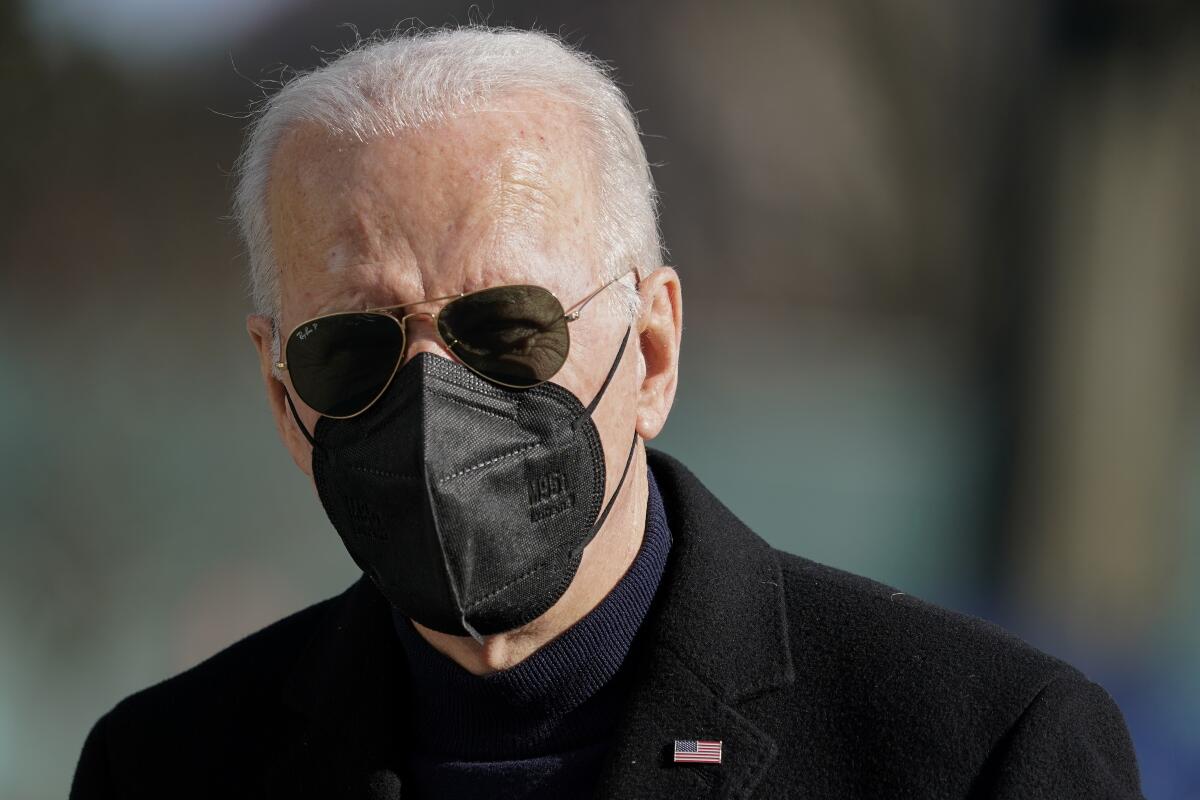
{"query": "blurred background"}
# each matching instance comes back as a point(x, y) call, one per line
point(942, 324)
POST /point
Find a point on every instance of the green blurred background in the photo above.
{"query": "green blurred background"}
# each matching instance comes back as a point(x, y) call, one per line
point(942, 324)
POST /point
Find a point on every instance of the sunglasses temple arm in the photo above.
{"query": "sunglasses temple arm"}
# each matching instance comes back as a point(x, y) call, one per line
point(296, 417)
point(572, 313)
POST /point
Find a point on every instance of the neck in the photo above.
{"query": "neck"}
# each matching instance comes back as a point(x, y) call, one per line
point(605, 561)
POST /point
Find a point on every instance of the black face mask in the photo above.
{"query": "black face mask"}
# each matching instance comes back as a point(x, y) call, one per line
point(467, 503)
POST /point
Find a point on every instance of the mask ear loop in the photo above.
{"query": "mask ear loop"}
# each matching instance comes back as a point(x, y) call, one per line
point(587, 412)
point(300, 424)
point(612, 370)
point(578, 549)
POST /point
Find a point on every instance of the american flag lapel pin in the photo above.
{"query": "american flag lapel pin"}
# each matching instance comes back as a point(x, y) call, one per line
point(697, 751)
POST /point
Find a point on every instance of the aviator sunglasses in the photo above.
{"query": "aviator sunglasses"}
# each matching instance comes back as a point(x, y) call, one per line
point(514, 336)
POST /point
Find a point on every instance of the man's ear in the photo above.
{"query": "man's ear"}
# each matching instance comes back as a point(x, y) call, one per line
point(660, 327)
point(262, 333)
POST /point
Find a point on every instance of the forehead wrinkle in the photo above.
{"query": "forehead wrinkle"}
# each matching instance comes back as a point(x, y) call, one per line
point(496, 196)
point(541, 205)
point(523, 188)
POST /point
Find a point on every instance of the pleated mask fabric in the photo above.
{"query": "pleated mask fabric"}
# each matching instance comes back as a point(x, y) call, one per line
point(468, 504)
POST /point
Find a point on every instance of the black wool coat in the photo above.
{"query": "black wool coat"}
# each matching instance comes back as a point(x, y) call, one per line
point(820, 684)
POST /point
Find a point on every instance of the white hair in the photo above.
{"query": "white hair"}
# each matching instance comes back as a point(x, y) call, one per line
point(389, 83)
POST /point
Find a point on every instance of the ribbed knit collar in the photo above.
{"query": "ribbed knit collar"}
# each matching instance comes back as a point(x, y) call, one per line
point(559, 698)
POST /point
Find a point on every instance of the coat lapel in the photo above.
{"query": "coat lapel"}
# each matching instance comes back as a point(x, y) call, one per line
point(716, 635)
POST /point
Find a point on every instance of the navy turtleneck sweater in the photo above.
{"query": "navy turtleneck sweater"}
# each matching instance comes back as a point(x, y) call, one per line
point(539, 729)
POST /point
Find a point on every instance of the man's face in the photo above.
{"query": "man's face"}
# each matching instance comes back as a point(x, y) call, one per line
point(495, 197)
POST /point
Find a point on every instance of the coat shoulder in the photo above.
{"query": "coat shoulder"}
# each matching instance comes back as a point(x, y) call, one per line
point(898, 638)
point(239, 683)
point(256, 662)
point(226, 710)
point(917, 671)
point(931, 692)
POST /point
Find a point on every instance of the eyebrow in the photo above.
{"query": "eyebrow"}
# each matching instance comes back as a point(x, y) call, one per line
point(354, 302)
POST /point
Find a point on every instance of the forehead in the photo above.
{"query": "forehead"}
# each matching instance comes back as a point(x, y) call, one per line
point(501, 195)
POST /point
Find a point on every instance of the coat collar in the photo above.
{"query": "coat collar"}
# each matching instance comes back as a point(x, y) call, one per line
point(721, 598)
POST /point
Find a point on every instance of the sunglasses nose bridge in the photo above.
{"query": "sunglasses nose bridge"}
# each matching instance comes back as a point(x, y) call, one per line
point(426, 315)
point(423, 338)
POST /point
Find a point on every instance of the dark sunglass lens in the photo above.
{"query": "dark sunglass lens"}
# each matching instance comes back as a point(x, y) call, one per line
point(515, 335)
point(339, 364)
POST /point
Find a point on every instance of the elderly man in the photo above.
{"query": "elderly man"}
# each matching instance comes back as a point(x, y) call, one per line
point(466, 338)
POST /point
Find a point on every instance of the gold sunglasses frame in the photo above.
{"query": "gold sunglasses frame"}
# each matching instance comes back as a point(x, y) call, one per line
point(570, 315)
